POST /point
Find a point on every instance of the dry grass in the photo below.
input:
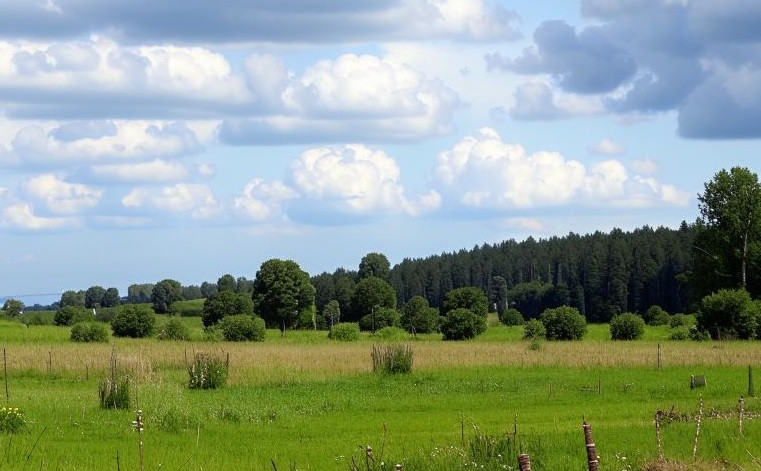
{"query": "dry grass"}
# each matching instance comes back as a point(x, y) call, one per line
point(278, 362)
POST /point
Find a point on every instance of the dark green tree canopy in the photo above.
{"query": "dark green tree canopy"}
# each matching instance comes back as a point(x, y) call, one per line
point(462, 324)
point(226, 303)
point(282, 290)
point(226, 283)
point(332, 313)
point(73, 298)
point(374, 264)
point(13, 307)
point(371, 292)
point(111, 298)
point(139, 293)
point(164, 293)
point(564, 323)
point(94, 296)
point(468, 297)
point(728, 314)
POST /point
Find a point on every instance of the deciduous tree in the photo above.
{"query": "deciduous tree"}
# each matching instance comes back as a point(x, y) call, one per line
point(281, 291)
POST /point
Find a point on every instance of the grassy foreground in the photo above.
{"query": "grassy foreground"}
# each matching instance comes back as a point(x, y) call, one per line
point(303, 402)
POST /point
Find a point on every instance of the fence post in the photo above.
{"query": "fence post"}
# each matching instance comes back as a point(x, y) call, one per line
point(751, 390)
point(593, 461)
point(524, 462)
point(741, 413)
point(697, 431)
point(658, 441)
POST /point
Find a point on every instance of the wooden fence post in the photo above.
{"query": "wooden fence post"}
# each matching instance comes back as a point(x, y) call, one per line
point(593, 461)
point(524, 462)
point(658, 441)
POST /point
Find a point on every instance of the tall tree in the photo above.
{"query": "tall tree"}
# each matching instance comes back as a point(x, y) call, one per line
point(137, 293)
point(731, 206)
point(374, 264)
point(226, 283)
point(94, 296)
point(371, 293)
point(110, 298)
point(73, 298)
point(13, 307)
point(164, 293)
point(282, 291)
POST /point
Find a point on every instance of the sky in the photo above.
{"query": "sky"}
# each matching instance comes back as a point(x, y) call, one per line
point(189, 139)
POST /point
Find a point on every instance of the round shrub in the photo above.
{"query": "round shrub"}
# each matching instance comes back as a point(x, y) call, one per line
point(698, 335)
point(679, 333)
point(682, 320)
point(533, 329)
point(392, 333)
point(627, 326)
point(174, 329)
point(564, 323)
point(89, 332)
point(382, 317)
point(462, 324)
point(511, 316)
point(133, 321)
point(344, 331)
point(242, 327)
point(655, 315)
point(70, 315)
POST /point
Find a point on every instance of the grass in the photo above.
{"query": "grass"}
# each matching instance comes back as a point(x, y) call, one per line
point(306, 402)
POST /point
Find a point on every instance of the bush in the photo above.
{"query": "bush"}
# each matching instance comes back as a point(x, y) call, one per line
point(38, 318)
point(89, 332)
point(207, 372)
point(382, 317)
point(242, 327)
point(213, 334)
point(682, 320)
point(462, 324)
point(679, 333)
point(392, 333)
point(533, 329)
point(418, 317)
point(564, 323)
point(114, 392)
point(12, 420)
point(627, 326)
point(392, 359)
point(698, 335)
point(174, 329)
point(70, 315)
point(655, 315)
point(106, 314)
point(133, 321)
point(511, 316)
point(729, 314)
point(345, 331)
point(190, 308)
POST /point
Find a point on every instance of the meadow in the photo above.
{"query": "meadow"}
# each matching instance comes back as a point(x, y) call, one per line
point(302, 401)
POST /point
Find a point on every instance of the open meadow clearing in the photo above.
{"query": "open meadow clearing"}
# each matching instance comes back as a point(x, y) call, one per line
point(303, 401)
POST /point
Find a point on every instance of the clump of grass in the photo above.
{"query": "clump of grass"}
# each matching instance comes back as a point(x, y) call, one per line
point(392, 359)
point(12, 420)
point(114, 391)
point(174, 329)
point(207, 372)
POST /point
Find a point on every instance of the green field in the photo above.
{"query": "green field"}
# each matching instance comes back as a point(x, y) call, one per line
point(305, 402)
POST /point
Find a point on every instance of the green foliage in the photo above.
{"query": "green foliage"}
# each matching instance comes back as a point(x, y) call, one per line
point(564, 323)
point(207, 372)
point(374, 264)
point(226, 303)
point(418, 317)
point(89, 332)
point(281, 291)
point(111, 298)
point(699, 335)
point(114, 392)
point(655, 315)
point(392, 358)
point(379, 318)
point(682, 320)
point(174, 329)
point(729, 314)
point(12, 420)
point(242, 327)
point(469, 297)
point(38, 318)
point(106, 314)
point(164, 293)
point(371, 293)
point(391, 333)
point(511, 316)
point(627, 326)
point(462, 324)
point(94, 296)
point(133, 321)
point(13, 307)
point(534, 329)
point(226, 283)
point(188, 308)
point(344, 331)
point(73, 298)
point(69, 315)
point(679, 333)
point(331, 312)
point(139, 293)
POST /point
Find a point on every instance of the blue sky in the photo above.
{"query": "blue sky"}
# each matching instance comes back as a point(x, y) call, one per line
point(149, 140)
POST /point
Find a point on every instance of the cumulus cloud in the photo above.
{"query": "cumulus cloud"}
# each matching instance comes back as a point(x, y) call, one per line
point(226, 21)
point(157, 170)
point(482, 172)
point(62, 197)
point(196, 200)
point(261, 200)
point(607, 147)
point(20, 215)
point(354, 181)
point(644, 166)
point(535, 100)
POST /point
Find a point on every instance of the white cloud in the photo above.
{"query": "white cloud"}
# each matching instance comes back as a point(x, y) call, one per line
point(154, 171)
point(354, 180)
point(21, 215)
point(260, 200)
point(526, 224)
point(607, 147)
point(62, 197)
point(195, 199)
point(483, 172)
point(644, 166)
